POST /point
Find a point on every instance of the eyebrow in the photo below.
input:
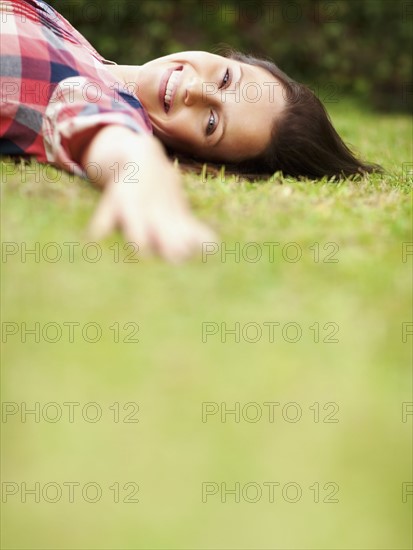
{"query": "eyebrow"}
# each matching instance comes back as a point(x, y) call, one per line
point(225, 120)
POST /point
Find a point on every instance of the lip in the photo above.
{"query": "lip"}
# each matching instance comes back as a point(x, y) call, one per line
point(162, 87)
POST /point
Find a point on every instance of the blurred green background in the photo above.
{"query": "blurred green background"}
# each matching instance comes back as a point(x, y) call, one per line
point(359, 47)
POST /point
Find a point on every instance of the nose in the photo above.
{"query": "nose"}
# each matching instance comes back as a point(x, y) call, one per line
point(193, 92)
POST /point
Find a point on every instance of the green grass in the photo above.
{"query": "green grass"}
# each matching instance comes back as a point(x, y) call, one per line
point(365, 296)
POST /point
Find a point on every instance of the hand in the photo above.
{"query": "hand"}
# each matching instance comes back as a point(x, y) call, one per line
point(152, 214)
point(150, 209)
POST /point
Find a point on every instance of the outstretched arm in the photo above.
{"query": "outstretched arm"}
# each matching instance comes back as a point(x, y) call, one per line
point(142, 194)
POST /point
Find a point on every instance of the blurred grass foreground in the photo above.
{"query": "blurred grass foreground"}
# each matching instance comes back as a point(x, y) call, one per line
point(258, 396)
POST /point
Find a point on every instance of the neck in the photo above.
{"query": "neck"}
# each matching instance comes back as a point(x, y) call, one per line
point(127, 74)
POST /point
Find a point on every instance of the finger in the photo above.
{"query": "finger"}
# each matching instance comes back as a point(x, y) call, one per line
point(182, 239)
point(169, 242)
point(135, 231)
point(103, 220)
point(204, 234)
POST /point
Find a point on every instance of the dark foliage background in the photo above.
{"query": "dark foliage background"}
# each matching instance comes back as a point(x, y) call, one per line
point(338, 47)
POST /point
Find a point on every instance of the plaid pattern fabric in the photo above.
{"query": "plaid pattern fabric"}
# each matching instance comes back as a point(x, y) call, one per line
point(55, 85)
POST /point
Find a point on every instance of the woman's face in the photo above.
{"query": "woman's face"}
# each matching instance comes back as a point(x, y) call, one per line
point(210, 106)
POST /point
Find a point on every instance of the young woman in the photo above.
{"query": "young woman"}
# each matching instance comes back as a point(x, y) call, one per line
point(65, 104)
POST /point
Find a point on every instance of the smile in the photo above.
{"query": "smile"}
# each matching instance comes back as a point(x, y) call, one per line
point(168, 87)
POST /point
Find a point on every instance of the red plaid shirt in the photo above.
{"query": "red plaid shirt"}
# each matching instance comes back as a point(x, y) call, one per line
point(54, 86)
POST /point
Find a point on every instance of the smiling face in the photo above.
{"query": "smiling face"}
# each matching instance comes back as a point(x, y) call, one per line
point(210, 106)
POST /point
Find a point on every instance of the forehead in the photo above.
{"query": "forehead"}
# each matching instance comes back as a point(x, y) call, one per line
point(249, 114)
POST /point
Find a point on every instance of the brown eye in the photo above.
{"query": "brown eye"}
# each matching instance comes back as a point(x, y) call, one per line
point(226, 81)
point(210, 128)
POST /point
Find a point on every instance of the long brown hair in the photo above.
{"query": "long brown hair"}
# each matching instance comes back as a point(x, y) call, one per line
point(304, 141)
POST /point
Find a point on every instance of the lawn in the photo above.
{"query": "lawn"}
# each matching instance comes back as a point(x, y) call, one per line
point(253, 399)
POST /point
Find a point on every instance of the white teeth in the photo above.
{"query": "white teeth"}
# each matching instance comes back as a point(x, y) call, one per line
point(170, 86)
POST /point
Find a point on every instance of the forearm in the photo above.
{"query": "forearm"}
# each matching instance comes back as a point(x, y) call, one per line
point(116, 150)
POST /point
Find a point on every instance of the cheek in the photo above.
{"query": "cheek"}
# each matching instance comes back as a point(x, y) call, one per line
point(176, 140)
point(183, 132)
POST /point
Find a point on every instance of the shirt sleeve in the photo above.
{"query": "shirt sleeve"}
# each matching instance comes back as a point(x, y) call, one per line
point(79, 104)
